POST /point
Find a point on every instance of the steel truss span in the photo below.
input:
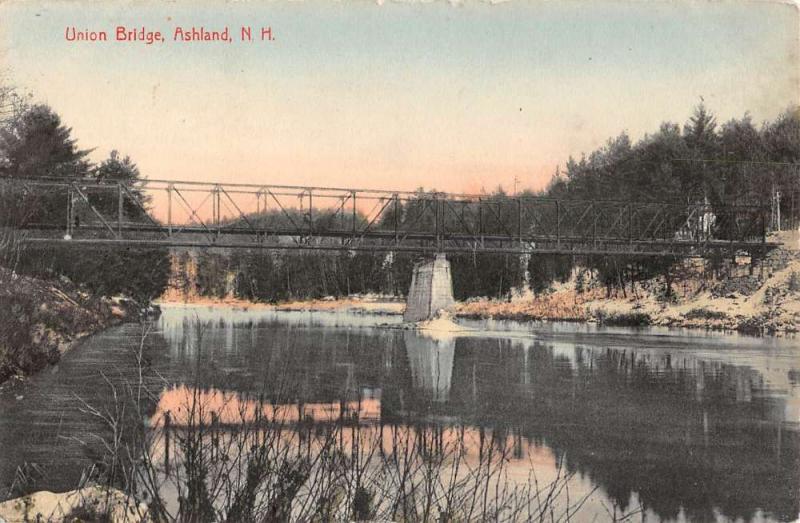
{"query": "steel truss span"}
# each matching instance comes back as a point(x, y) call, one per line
point(164, 213)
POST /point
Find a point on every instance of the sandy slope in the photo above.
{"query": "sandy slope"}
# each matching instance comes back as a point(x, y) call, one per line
point(774, 306)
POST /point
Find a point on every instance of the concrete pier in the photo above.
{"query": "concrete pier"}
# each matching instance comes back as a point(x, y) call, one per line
point(431, 289)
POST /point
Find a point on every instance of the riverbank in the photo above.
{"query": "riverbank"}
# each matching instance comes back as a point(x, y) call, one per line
point(368, 304)
point(772, 307)
point(766, 301)
point(42, 319)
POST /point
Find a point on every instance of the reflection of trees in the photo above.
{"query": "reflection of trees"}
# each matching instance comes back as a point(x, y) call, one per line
point(676, 430)
point(279, 361)
point(680, 433)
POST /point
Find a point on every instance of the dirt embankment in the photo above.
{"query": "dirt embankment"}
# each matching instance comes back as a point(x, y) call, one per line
point(767, 301)
point(40, 320)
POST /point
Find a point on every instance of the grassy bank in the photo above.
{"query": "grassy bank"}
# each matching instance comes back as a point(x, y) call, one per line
point(42, 319)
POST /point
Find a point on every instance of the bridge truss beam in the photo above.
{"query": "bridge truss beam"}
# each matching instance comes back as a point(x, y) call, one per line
point(166, 213)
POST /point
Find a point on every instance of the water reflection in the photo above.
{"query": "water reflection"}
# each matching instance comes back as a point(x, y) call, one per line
point(431, 363)
point(689, 433)
point(692, 427)
point(218, 407)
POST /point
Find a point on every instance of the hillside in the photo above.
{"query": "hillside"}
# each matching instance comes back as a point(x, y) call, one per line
point(41, 319)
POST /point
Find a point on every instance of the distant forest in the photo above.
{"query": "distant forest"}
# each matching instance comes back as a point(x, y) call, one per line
point(737, 162)
point(702, 161)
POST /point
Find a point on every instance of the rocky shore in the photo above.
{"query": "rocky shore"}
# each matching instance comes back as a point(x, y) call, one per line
point(42, 319)
point(764, 299)
point(764, 302)
point(759, 299)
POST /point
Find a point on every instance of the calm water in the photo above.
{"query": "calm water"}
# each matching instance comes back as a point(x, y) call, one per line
point(690, 426)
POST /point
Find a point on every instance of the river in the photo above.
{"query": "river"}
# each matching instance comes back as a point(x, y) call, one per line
point(683, 425)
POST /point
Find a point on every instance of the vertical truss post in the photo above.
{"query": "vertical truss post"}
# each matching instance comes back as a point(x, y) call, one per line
point(442, 224)
point(169, 209)
point(558, 225)
point(594, 225)
point(341, 218)
point(310, 214)
point(218, 217)
point(519, 220)
point(436, 221)
point(213, 209)
point(69, 211)
point(396, 219)
point(119, 210)
point(354, 215)
point(630, 223)
point(261, 208)
point(480, 218)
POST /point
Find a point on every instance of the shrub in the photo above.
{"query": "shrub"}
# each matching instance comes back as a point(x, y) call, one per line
point(625, 319)
point(794, 281)
point(704, 314)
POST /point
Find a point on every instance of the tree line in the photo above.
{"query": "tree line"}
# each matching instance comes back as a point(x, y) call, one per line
point(273, 276)
point(34, 143)
point(738, 162)
point(700, 162)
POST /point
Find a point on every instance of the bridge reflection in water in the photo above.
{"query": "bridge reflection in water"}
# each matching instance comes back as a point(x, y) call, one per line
point(691, 426)
point(695, 426)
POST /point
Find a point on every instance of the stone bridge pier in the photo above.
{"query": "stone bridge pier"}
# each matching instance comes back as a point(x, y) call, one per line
point(431, 289)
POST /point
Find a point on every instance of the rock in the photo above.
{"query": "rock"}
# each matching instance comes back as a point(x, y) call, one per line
point(86, 504)
point(117, 311)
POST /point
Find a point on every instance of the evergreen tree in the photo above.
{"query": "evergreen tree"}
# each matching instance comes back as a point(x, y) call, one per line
point(118, 168)
point(37, 145)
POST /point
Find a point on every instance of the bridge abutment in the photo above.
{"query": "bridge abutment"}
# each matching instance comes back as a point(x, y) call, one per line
point(431, 289)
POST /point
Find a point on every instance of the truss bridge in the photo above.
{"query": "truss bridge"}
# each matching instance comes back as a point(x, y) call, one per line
point(167, 213)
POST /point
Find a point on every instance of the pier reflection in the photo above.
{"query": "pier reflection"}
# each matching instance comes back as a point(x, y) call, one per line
point(686, 434)
point(690, 427)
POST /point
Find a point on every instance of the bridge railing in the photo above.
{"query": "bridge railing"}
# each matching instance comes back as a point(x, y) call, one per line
point(247, 215)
